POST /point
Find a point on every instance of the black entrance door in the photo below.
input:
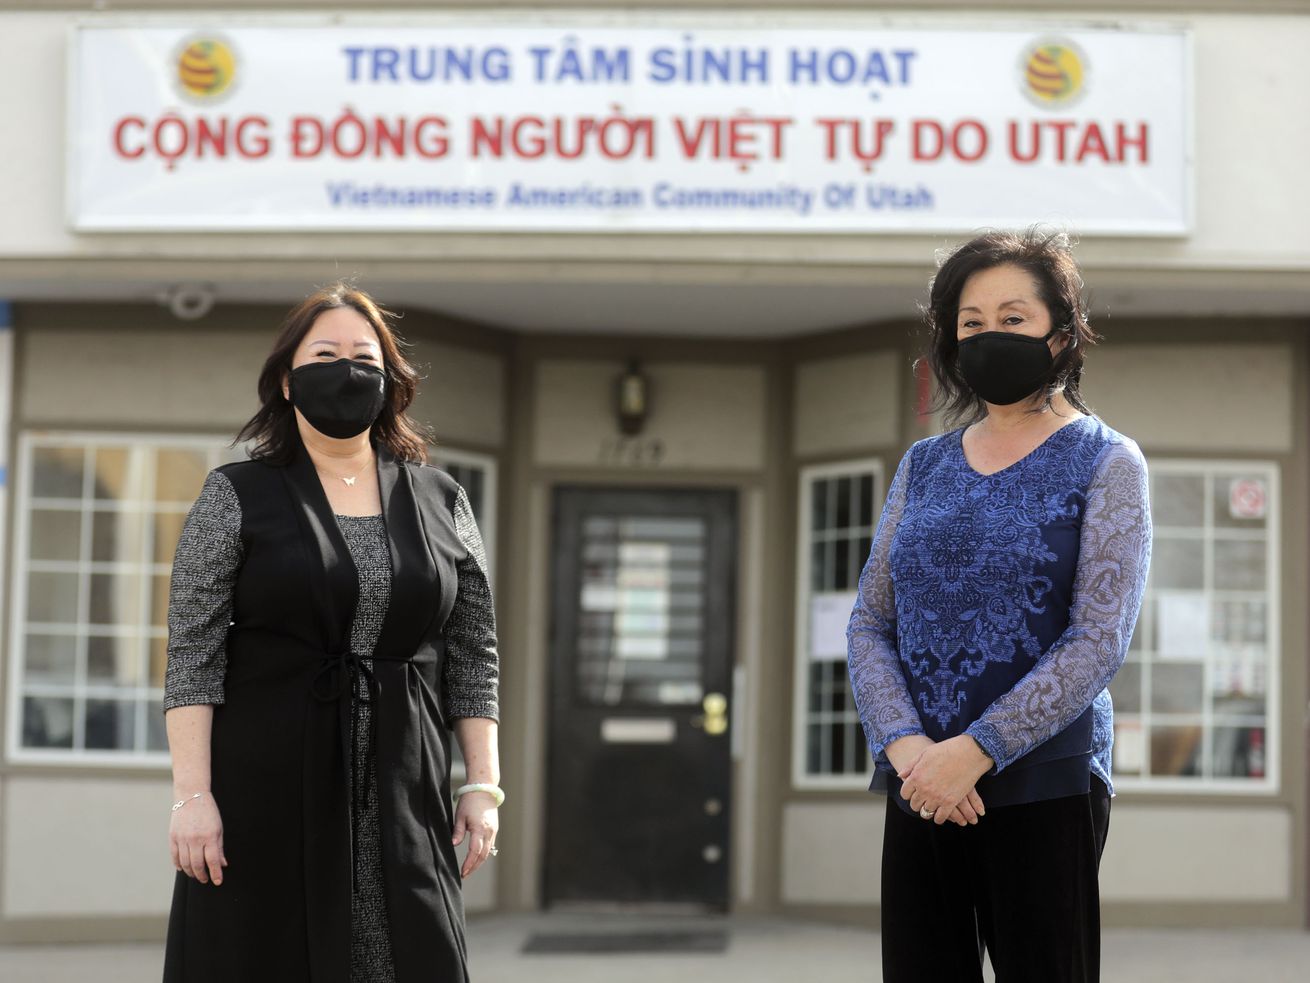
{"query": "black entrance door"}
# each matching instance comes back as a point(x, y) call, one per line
point(640, 696)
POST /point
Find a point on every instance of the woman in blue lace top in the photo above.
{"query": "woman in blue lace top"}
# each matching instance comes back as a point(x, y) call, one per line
point(996, 605)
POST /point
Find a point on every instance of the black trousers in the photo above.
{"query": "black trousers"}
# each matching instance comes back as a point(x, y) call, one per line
point(1022, 884)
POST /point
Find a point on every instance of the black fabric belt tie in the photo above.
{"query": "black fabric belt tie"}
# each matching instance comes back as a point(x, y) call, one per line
point(342, 674)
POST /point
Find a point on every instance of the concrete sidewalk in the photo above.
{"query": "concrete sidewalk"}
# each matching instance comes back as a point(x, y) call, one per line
point(760, 950)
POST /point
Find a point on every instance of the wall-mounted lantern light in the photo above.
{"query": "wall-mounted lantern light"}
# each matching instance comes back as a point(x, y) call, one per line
point(632, 399)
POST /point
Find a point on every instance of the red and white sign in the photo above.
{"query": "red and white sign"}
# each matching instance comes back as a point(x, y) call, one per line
point(1247, 499)
point(612, 124)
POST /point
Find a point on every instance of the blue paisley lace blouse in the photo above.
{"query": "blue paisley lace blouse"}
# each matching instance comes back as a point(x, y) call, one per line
point(1002, 605)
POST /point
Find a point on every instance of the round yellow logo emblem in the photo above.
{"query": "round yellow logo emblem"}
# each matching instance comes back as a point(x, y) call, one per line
point(206, 67)
point(1054, 72)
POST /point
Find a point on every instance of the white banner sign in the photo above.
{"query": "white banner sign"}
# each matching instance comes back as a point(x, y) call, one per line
point(611, 128)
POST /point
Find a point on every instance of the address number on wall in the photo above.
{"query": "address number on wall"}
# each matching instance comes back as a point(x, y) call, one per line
point(632, 451)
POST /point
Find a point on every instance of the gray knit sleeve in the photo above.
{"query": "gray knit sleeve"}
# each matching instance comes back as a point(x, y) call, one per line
point(205, 565)
point(472, 670)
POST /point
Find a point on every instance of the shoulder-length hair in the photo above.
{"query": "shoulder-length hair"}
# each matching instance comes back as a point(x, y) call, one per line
point(1047, 256)
point(273, 427)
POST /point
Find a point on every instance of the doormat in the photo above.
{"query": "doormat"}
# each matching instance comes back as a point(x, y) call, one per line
point(611, 943)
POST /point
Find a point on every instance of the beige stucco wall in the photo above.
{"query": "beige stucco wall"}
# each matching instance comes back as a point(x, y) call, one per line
point(831, 853)
point(185, 378)
point(78, 847)
point(1223, 854)
point(1207, 397)
point(203, 378)
point(463, 394)
point(707, 417)
point(85, 846)
point(848, 403)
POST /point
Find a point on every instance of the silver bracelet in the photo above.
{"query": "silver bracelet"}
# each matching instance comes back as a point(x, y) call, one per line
point(181, 802)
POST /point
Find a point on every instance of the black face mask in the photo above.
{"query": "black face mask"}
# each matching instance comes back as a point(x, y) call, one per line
point(339, 399)
point(1002, 367)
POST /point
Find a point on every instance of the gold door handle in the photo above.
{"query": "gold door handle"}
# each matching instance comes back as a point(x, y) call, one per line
point(714, 721)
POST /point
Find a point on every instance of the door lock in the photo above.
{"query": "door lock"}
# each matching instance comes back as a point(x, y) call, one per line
point(714, 721)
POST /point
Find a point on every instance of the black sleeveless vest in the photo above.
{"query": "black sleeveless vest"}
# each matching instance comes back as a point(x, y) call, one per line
point(281, 754)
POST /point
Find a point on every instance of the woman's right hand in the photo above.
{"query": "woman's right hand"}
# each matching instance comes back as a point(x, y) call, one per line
point(195, 837)
point(969, 811)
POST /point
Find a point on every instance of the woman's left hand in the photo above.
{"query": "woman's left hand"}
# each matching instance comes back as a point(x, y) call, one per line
point(477, 818)
point(944, 775)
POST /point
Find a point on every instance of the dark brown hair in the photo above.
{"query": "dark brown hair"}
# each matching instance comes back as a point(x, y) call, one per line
point(1047, 256)
point(273, 427)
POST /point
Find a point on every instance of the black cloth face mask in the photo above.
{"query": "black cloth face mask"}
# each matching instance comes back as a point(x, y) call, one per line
point(341, 398)
point(1002, 367)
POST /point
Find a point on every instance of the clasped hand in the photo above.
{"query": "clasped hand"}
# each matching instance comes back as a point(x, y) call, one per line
point(941, 776)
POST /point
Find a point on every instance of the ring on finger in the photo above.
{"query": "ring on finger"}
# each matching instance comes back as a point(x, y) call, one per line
point(926, 813)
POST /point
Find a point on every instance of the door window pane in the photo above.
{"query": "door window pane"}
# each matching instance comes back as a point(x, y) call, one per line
point(640, 610)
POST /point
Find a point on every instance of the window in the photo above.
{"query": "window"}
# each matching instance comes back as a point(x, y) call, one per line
point(477, 474)
point(98, 518)
point(838, 509)
point(1196, 700)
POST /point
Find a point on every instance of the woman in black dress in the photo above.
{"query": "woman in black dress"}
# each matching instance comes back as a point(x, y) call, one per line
point(330, 622)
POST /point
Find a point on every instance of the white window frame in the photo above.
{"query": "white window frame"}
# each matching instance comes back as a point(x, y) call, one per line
point(1270, 784)
point(217, 444)
point(801, 778)
point(442, 454)
point(28, 440)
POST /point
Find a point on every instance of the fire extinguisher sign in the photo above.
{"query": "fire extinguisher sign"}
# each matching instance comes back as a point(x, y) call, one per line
point(1247, 498)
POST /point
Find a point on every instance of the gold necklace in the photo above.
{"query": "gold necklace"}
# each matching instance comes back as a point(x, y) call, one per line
point(348, 479)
